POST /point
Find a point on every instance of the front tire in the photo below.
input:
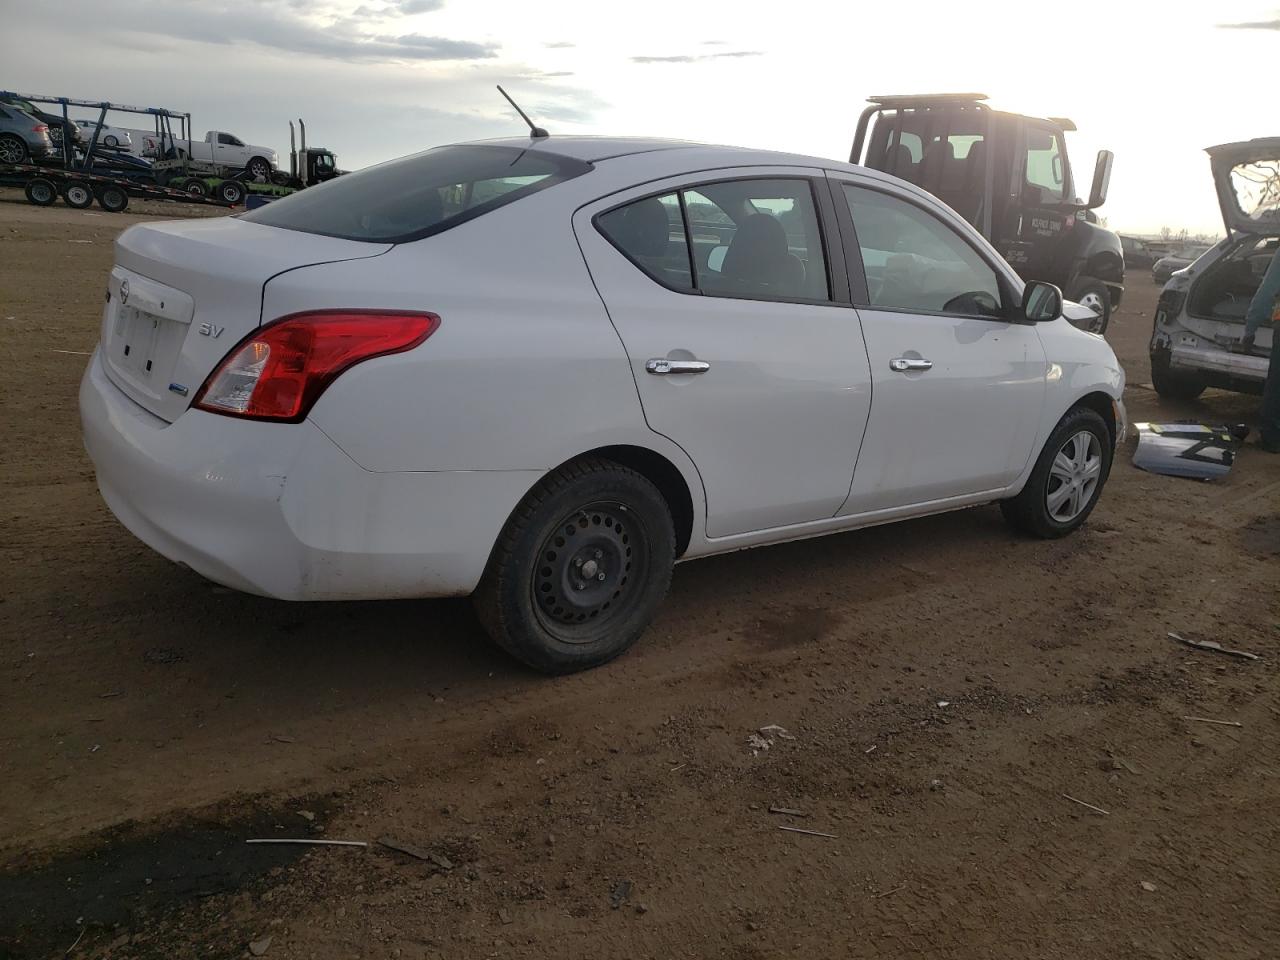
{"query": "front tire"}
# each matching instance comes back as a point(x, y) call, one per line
point(259, 168)
point(580, 568)
point(111, 140)
point(1067, 479)
point(1094, 295)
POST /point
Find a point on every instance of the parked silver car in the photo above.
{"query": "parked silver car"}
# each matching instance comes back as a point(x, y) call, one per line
point(22, 136)
point(1199, 323)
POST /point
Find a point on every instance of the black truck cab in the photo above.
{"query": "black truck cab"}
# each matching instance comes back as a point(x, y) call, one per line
point(1009, 176)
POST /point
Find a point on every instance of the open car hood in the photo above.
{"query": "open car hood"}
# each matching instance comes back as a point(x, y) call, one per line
point(1247, 177)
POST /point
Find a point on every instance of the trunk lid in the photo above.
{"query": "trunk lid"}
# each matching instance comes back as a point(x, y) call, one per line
point(182, 294)
point(1247, 178)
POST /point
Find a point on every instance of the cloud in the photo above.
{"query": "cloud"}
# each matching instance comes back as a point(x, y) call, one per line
point(694, 58)
point(274, 26)
point(1258, 25)
point(559, 45)
point(419, 6)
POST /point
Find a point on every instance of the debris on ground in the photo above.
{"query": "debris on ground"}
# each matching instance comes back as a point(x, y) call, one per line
point(788, 811)
point(1089, 805)
point(1193, 450)
point(1221, 723)
point(259, 947)
point(763, 739)
point(1148, 886)
point(810, 833)
point(1215, 647)
point(620, 893)
point(308, 840)
point(775, 731)
point(307, 815)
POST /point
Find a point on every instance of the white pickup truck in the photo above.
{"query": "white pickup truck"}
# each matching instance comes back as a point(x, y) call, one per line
point(228, 150)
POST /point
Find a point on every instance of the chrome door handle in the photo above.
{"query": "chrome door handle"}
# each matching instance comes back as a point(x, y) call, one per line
point(661, 366)
point(905, 364)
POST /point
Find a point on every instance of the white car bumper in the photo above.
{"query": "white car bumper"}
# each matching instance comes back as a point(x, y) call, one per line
point(281, 511)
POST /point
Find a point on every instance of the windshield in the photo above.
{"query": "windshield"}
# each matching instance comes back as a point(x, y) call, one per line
point(417, 196)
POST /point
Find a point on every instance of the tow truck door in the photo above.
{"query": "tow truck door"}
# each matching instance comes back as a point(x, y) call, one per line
point(1033, 226)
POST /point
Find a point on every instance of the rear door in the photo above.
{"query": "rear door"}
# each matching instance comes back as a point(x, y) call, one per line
point(958, 388)
point(730, 295)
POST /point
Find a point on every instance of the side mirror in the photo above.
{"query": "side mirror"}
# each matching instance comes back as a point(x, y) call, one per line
point(1101, 179)
point(1040, 302)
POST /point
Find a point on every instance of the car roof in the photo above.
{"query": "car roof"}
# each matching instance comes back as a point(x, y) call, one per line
point(599, 149)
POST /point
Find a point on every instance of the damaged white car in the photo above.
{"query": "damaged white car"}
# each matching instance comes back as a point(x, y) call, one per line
point(1198, 340)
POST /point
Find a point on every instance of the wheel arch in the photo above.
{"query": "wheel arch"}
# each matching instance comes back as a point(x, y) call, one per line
point(664, 475)
point(1103, 405)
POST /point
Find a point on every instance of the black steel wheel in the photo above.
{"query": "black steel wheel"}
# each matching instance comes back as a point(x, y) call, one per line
point(113, 199)
point(78, 194)
point(230, 191)
point(13, 149)
point(580, 568)
point(196, 187)
point(41, 192)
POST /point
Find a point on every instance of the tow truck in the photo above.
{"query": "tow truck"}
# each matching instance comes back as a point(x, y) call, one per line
point(1009, 176)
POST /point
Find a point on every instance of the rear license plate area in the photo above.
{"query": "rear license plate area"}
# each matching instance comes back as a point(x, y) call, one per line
point(138, 339)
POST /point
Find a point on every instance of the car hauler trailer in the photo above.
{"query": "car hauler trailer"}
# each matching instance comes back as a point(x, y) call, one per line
point(82, 175)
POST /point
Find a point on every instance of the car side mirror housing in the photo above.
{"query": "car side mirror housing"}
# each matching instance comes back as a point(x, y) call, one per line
point(1101, 179)
point(1041, 302)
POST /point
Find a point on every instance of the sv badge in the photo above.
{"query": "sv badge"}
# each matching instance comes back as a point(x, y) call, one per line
point(211, 330)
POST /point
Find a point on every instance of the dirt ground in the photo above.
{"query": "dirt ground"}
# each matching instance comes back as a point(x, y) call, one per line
point(945, 685)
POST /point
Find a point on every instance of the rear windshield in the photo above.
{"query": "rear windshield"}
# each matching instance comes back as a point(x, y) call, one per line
point(417, 196)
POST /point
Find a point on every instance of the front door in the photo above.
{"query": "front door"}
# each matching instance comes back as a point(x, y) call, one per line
point(745, 351)
point(958, 387)
point(1036, 224)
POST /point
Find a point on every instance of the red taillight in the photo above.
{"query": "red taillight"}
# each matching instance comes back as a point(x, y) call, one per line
point(280, 370)
point(40, 128)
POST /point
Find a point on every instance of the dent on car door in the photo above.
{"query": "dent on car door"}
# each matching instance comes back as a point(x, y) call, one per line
point(958, 387)
point(745, 351)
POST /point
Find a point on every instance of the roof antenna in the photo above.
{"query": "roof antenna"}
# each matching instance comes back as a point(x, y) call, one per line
point(535, 133)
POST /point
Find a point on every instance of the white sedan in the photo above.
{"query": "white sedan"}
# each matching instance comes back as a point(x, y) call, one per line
point(539, 372)
point(113, 138)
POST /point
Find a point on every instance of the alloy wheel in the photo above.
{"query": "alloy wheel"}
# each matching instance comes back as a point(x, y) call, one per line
point(1074, 476)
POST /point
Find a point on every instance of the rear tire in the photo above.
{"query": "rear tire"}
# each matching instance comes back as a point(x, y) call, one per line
point(13, 149)
point(1174, 384)
point(195, 187)
point(113, 199)
point(41, 192)
point(580, 568)
point(1058, 496)
point(111, 140)
point(78, 195)
point(230, 191)
point(1094, 295)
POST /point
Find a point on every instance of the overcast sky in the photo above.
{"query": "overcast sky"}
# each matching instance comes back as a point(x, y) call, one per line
point(381, 78)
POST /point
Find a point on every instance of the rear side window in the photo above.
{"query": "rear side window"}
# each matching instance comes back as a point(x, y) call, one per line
point(749, 239)
point(421, 195)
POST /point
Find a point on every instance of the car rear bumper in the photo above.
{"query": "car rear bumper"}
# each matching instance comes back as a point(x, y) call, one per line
point(281, 511)
point(1218, 362)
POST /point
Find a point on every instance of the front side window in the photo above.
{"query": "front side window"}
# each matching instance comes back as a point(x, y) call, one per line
point(753, 239)
point(417, 196)
point(914, 261)
point(1046, 173)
